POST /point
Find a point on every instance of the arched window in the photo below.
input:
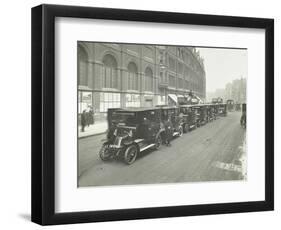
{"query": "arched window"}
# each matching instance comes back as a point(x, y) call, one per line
point(109, 78)
point(132, 76)
point(82, 66)
point(148, 79)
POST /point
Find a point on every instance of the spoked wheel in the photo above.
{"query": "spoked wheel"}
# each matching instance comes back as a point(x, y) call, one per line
point(180, 131)
point(104, 153)
point(158, 142)
point(130, 154)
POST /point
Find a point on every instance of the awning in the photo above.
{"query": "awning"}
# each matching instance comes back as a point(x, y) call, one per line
point(173, 97)
point(85, 88)
point(199, 99)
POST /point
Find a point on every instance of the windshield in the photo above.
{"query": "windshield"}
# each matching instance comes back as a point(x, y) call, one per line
point(124, 118)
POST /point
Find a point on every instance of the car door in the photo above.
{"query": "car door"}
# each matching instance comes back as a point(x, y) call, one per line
point(154, 118)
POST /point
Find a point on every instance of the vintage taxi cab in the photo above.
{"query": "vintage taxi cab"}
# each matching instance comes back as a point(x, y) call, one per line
point(130, 132)
point(189, 115)
point(172, 113)
point(230, 105)
point(222, 109)
point(201, 114)
point(211, 112)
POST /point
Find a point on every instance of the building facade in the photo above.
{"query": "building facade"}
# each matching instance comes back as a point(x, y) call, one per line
point(126, 75)
point(235, 90)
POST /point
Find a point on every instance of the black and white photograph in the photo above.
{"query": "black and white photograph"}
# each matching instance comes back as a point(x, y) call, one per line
point(156, 113)
point(140, 114)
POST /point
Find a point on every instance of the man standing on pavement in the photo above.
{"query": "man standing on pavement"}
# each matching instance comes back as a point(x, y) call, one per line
point(243, 117)
point(168, 131)
point(83, 120)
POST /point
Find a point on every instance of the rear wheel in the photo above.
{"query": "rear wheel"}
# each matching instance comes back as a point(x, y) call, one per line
point(104, 153)
point(180, 131)
point(130, 154)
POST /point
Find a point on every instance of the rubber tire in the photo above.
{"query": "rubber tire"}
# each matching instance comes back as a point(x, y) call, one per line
point(102, 155)
point(127, 152)
point(180, 131)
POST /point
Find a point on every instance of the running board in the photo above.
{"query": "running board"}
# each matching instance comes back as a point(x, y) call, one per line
point(147, 147)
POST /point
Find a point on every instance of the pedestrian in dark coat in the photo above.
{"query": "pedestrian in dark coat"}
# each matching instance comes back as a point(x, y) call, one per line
point(91, 117)
point(88, 117)
point(83, 120)
point(168, 131)
point(243, 117)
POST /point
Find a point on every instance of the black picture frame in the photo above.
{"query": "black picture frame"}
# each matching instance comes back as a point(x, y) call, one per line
point(43, 113)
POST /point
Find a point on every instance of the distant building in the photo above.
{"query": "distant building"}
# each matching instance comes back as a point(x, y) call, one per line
point(235, 90)
point(126, 75)
point(238, 91)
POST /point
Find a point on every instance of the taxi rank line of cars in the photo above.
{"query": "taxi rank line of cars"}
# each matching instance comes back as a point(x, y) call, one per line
point(134, 130)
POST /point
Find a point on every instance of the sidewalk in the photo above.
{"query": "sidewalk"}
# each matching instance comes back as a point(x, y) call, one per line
point(95, 129)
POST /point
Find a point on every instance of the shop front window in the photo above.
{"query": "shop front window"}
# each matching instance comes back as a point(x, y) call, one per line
point(161, 100)
point(132, 100)
point(109, 100)
point(85, 101)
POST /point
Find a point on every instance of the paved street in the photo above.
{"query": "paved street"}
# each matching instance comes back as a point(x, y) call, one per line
point(213, 152)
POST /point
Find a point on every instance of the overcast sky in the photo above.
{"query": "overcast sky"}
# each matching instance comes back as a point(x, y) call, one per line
point(223, 65)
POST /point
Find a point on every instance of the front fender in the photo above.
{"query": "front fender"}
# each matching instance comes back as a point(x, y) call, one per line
point(160, 133)
point(128, 141)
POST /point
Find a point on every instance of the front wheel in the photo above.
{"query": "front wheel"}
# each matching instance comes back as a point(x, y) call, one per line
point(130, 154)
point(104, 153)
